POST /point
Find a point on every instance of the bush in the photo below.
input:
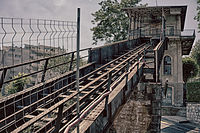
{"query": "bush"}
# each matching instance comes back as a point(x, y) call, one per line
point(17, 85)
point(190, 68)
point(193, 92)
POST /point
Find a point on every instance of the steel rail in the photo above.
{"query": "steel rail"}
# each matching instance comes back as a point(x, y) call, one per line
point(124, 66)
point(72, 83)
point(67, 110)
point(100, 67)
point(39, 71)
point(92, 105)
point(38, 117)
point(38, 60)
point(97, 69)
point(46, 98)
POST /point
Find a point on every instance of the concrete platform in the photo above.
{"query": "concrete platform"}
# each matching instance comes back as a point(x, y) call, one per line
point(178, 124)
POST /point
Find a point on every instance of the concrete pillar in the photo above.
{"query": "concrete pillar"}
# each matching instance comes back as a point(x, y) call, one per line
point(163, 24)
point(139, 26)
point(130, 27)
point(134, 26)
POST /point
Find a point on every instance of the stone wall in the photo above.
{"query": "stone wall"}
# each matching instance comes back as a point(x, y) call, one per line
point(193, 112)
point(173, 111)
point(141, 113)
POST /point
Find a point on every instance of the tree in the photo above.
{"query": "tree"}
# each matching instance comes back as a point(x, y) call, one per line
point(198, 13)
point(190, 68)
point(111, 22)
point(196, 52)
point(62, 68)
point(17, 85)
point(65, 67)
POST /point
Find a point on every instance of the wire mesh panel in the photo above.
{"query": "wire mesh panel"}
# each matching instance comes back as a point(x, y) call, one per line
point(27, 39)
point(35, 50)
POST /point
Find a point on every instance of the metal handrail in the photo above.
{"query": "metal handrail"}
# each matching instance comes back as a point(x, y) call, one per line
point(4, 69)
point(158, 32)
point(106, 94)
point(73, 95)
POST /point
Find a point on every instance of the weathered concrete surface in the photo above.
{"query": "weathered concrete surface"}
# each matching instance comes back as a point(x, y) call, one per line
point(173, 111)
point(140, 114)
point(133, 117)
point(177, 124)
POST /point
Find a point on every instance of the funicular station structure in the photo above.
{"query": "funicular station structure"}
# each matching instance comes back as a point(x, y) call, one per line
point(147, 67)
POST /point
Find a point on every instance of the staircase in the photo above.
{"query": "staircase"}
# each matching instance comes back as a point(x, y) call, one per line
point(149, 68)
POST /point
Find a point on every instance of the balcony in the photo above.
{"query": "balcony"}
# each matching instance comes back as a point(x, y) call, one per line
point(187, 36)
point(154, 32)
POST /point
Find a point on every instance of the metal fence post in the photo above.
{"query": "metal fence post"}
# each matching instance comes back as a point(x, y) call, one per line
point(3, 75)
point(78, 64)
point(71, 63)
point(156, 65)
point(138, 57)
point(127, 69)
point(45, 69)
point(108, 89)
point(90, 55)
point(59, 118)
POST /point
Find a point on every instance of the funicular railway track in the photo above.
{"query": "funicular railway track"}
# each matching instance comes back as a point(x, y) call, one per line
point(58, 108)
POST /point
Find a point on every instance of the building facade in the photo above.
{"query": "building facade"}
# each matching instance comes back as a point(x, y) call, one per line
point(156, 23)
point(15, 55)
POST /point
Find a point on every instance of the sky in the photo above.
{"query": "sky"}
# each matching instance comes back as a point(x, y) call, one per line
point(66, 10)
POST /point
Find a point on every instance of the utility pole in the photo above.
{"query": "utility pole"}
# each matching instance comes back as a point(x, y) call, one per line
point(78, 64)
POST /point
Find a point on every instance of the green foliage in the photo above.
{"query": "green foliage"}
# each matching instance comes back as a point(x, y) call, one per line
point(17, 85)
point(65, 67)
point(198, 13)
point(190, 68)
point(196, 52)
point(193, 92)
point(111, 22)
point(62, 68)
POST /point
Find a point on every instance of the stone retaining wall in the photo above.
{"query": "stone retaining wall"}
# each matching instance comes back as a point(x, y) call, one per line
point(193, 112)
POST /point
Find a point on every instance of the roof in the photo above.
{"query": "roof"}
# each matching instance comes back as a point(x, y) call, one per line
point(156, 10)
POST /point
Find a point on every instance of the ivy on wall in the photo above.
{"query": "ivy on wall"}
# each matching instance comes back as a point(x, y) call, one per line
point(193, 92)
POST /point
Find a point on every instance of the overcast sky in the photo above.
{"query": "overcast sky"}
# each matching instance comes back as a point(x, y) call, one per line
point(66, 10)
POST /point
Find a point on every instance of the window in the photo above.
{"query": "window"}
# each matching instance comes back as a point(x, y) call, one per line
point(167, 65)
point(18, 56)
point(170, 30)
